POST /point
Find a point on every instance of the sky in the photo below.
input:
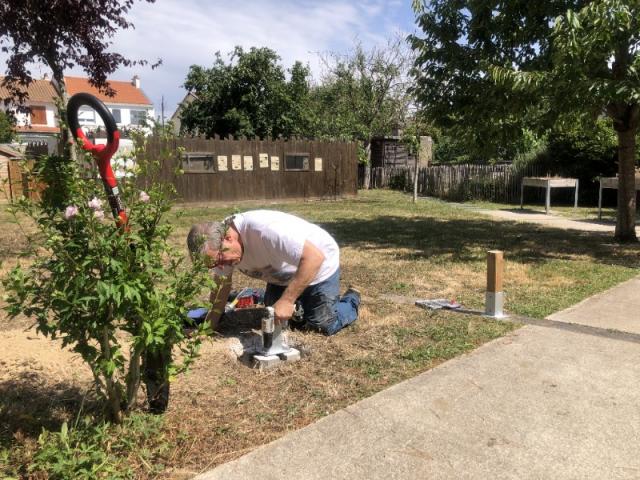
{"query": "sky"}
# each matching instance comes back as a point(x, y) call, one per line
point(187, 32)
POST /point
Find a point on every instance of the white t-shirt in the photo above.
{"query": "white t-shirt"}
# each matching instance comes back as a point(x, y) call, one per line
point(273, 243)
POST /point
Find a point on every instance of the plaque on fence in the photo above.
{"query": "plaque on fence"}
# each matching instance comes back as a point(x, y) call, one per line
point(236, 162)
point(264, 160)
point(318, 164)
point(275, 163)
point(248, 162)
point(222, 163)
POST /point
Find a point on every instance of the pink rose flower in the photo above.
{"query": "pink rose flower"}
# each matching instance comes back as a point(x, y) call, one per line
point(95, 204)
point(144, 197)
point(70, 212)
point(99, 214)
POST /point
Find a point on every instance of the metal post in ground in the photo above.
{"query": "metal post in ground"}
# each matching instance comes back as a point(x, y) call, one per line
point(494, 297)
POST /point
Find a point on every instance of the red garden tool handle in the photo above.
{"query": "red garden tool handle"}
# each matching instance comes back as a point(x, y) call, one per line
point(102, 153)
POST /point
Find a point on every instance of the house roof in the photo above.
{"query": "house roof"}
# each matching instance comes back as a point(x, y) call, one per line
point(188, 98)
point(38, 90)
point(10, 152)
point(126, 92)
point(44, 91)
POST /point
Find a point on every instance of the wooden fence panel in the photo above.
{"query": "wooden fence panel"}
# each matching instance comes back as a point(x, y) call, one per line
point(495, 183)
point(337, 176)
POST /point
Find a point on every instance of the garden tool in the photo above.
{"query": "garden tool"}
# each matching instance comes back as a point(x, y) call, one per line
point(154, 362)
point(274, 347)
point(101, 153)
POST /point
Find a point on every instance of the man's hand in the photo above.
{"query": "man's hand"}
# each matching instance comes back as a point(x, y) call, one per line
point(310, 263)
point(218, 298)
point(283, 311)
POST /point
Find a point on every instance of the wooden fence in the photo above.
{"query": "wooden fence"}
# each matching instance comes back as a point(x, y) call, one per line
point(494, 183)
point(18, 182)
point(230, 170)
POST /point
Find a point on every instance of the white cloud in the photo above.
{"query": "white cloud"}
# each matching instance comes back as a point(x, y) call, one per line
point(189, 32)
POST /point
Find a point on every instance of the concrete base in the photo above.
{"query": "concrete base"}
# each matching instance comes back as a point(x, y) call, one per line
point(264, 362)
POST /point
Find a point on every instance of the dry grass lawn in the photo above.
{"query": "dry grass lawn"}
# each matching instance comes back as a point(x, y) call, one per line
point(393, 249)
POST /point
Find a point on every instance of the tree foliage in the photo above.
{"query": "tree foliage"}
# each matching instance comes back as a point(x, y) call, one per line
point(594, 70)
point(363, 93)
point(7, 127)
point(61, 35)
point(490, 70)
point(248, 95)
point(461, 39)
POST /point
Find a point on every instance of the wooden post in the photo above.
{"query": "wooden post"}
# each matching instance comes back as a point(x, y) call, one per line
point(522, 193)
point(494, 298)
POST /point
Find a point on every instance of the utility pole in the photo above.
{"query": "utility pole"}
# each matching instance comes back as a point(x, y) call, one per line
point(162, 110)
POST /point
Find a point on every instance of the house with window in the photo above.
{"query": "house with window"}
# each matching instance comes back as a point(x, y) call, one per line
point(130, 107)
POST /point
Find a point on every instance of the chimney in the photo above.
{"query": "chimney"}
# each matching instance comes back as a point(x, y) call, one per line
point(135, 81)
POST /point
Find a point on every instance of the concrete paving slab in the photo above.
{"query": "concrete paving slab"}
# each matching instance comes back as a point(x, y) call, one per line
point(615, 309)
point(540, 403)
point(549, 220)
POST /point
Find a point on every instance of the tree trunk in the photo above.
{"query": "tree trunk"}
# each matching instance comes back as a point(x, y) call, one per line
point(626, 218)
point(133, 377)
point(63, 98)
point(416, 170)
point(114, 398)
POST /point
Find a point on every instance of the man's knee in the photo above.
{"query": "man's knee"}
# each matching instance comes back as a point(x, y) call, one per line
point(320, 314)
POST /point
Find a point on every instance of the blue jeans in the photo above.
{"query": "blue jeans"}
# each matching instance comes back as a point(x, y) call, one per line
point(324, 309)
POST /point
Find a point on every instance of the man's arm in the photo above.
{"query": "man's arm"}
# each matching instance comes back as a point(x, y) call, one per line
point(310, 263)
point(218, 298)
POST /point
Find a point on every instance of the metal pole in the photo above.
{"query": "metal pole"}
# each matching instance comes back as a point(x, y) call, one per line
point(575, 203)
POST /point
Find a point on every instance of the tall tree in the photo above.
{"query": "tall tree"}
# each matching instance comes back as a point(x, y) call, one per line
point(595, 71)
point(61, 35)
point(364, 93)
point(7, 127)
point(460, 40)
point(248, 95)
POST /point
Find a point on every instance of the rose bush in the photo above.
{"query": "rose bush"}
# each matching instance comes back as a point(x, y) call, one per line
point(116, 296)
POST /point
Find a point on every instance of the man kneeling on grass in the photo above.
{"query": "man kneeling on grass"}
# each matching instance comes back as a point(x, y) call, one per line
point(299, 261)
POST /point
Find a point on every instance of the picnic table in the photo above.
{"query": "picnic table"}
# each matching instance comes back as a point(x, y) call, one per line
point(548, 183)
point(610, 182)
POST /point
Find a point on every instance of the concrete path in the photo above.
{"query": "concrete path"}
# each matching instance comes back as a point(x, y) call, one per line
point(554, 400)
point(550, 220)
point(616, 309)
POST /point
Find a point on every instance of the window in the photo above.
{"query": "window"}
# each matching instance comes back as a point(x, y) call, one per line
point(38, 116)
point(117, 116)
point(86, 116)
point(197, 162)
point(296, 161)
point(138, 117)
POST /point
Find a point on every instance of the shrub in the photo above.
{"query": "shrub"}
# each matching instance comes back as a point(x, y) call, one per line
point(116, 296)
point(89, 450)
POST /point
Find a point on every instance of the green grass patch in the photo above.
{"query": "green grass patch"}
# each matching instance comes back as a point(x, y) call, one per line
point(91, 450)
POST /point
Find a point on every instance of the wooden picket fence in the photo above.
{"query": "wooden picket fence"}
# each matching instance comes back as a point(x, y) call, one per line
point(457, 183)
